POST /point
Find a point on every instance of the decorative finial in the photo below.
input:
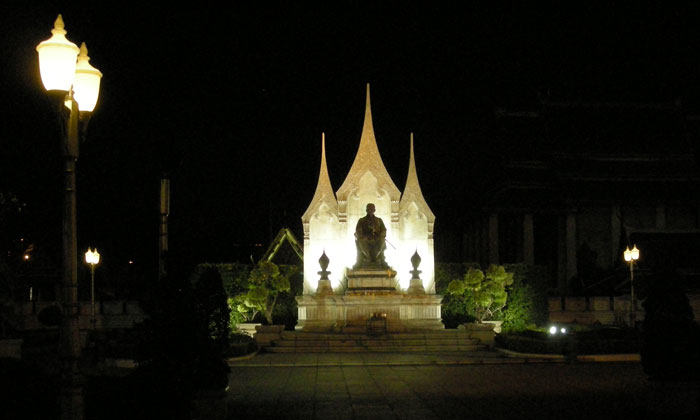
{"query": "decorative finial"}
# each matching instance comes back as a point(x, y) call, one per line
point(324, 284)
point(323, 262)
point(415, 262)
point(83, 52)
point(59, 26)
point(416, 285)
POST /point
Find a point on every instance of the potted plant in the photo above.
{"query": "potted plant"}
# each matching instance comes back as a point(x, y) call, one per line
point(484, 293)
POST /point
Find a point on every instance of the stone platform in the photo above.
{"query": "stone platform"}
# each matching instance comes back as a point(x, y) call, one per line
point(372, 302)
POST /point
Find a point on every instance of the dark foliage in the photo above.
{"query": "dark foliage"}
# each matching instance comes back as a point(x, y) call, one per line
point(593, 341)
point(527, 297)
point(181, 345)
point(211, 314)
point(166, 351)
point(455, 309)
point(671, 344)
point(27, 391)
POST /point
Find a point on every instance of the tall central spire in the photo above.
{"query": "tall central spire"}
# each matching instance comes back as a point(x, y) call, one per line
point(368, 159)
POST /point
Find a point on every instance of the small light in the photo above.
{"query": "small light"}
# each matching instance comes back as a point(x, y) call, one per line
point(553, 329)
point(131, 262)
point(26, 257)
point(563, 330)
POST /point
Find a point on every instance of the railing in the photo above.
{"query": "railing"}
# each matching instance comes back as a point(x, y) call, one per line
point(108, 314)
point(606, 310)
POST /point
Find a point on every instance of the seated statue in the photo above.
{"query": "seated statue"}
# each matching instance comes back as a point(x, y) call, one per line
point(370, 235)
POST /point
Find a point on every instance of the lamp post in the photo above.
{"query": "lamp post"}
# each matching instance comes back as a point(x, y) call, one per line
point(74, 85)
point(632, 255)
point(92, 258)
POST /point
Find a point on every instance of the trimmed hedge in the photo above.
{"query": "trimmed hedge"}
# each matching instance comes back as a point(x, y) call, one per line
point(598, 341)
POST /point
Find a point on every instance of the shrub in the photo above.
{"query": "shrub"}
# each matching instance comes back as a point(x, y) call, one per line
point(456, 310)
point(671, 344)
point(487, 290)
point(527, 298)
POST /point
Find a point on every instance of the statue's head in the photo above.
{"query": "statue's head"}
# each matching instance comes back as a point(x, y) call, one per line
point(370, 208)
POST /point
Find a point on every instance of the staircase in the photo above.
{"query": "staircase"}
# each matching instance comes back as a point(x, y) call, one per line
point(426, 341)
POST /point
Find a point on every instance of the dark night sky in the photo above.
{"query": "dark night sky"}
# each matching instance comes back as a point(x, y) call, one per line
point(232, 103)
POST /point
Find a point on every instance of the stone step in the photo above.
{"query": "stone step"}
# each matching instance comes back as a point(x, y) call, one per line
point(376, 349)
point(418, 341)
point(374, 342)
point(428, 335)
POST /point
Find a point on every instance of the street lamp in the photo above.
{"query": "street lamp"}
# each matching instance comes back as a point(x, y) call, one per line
point(632, 255)
point(74, 86)
point(92, 258)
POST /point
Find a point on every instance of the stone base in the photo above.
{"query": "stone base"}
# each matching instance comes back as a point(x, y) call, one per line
point(484, 332)
point(372, 303)
point(362, 311)
point(265, 334)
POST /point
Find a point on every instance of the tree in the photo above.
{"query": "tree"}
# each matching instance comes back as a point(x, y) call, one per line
point(10, 208)
point(487, 290)
point(265, 283)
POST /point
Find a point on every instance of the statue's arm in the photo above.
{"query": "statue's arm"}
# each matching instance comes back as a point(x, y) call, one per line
point(382, 229)
point(358, 229)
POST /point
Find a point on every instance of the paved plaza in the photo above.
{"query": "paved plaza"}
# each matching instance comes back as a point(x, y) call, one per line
point(448, 386)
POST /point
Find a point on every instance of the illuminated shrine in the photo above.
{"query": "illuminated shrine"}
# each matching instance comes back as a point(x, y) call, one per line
point(338, 296)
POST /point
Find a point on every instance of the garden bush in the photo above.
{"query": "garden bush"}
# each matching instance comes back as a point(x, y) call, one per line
point(526, 306)
point(527, 298)
point(671, 345)
point(581, 340)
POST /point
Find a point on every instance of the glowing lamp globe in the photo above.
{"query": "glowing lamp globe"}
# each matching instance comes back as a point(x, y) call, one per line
point(635, 253)
point(86, 86)
point(631, 254)
point(92, 257)
point(57, 57)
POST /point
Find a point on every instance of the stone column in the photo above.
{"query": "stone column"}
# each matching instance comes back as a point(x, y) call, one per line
point(493, 238)
point(661, 216)
point(614, 234)
point(528, 239)
point(571, 269)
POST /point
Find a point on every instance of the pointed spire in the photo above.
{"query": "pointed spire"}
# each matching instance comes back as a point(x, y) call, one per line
point(324, 190)
point(412, 191)
point(368, 159)
point(368, 127)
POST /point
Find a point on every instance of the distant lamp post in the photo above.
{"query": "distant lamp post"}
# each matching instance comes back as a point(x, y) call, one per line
point(92, 258)
point(74, 86)
point(632, 255)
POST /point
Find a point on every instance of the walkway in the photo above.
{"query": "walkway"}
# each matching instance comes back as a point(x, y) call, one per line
point(447, 386)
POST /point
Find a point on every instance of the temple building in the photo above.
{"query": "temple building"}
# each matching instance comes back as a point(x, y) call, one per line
point(579, 182)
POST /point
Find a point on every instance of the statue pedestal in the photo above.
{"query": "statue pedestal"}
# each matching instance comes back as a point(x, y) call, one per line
point(371, 294)
point(371, 279)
